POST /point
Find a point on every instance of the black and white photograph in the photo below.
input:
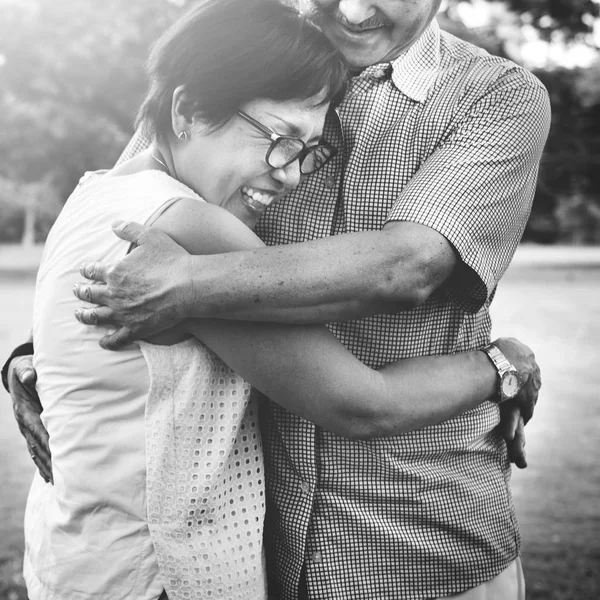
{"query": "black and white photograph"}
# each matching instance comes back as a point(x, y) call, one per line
point(299, 299)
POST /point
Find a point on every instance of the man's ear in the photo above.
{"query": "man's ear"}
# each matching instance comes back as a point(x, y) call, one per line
point(181, 113)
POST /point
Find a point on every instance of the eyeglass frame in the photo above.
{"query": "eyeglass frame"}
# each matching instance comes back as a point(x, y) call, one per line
point(275, 137)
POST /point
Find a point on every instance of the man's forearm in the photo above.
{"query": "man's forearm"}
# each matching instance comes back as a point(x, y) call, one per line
point(338, 278)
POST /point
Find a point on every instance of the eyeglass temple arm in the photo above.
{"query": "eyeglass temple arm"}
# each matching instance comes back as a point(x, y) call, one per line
point(264, 130)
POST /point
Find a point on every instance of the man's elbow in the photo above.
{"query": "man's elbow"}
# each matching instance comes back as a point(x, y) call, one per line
point(417, 260)
point(408, 285)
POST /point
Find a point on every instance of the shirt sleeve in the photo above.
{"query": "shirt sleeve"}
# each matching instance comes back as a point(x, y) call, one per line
point(477, 187)
point(137, 144)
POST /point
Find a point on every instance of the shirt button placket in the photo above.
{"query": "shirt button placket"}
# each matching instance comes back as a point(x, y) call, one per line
point(305, 488)
point(329, 182)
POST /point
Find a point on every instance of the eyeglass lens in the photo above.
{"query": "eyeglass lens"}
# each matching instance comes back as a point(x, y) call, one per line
point(287, 149)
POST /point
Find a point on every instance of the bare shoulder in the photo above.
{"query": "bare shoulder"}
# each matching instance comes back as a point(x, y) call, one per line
point(204, 228)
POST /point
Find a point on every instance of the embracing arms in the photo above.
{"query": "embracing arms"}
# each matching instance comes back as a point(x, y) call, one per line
point(407, 393)
point(308, 371)
point(338, 278)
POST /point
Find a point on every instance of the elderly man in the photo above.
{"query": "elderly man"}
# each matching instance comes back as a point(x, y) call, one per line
point(407, 233)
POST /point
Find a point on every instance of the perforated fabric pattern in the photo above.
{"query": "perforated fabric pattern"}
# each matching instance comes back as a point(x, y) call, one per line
point(205, 484)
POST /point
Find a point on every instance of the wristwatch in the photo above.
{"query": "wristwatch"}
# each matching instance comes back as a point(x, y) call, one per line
point(509, 382)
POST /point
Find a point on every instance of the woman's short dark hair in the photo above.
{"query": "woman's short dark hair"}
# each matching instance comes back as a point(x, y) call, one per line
point(229, 52)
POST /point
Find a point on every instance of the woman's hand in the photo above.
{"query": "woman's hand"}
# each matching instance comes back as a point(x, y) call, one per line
point(515, 413)
point(27, 409)
point(139, 295)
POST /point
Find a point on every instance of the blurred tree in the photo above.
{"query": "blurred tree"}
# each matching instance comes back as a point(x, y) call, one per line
point(570, 17)
point(567, 202)
point(71, 77)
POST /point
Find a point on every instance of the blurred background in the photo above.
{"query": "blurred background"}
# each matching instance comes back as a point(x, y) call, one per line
point(71, 79)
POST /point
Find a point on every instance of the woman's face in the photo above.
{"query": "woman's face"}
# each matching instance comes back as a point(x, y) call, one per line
point(225, 165)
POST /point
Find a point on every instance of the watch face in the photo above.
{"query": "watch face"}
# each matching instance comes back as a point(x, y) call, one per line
point(510, 385)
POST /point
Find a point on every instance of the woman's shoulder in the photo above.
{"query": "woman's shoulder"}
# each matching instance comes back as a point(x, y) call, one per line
point(151, 182)
point(204, 228)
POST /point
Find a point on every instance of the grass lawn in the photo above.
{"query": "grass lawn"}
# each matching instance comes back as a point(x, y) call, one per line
point(556, 310)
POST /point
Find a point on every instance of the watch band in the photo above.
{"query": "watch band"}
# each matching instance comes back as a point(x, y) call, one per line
point(500, 361)
point(22, 350)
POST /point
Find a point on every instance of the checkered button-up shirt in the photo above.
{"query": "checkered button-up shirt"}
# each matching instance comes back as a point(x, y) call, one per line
point(449, 137)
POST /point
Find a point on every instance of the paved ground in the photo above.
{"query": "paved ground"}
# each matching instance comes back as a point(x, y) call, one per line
point(554, 308)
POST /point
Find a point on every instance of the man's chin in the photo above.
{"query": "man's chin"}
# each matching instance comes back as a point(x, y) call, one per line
point(357, 61)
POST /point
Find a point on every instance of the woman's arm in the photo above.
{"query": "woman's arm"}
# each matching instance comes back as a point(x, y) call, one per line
point(308, 371)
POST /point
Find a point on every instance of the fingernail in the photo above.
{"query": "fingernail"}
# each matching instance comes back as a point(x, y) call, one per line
point(27, 374)
point(75, 288)
point(77, 314)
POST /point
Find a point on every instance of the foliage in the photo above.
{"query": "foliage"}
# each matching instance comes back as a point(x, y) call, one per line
point(569, 177)
point(570, 17)
point(71, 78)
point(567, 202)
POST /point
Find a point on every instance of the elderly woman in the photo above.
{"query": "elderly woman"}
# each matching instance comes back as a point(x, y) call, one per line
point(156, 454)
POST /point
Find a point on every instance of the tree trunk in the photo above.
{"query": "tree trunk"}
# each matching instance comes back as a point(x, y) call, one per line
point(28, 238)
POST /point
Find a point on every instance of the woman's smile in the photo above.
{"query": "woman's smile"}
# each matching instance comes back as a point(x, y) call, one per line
point(264, 197)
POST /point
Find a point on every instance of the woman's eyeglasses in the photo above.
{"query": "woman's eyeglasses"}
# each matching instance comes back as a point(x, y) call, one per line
point(285, 149)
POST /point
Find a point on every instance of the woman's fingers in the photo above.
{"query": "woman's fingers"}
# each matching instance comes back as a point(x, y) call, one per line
point(516, 448)
point(97, 315)
point(512, 429)
point(509, 420)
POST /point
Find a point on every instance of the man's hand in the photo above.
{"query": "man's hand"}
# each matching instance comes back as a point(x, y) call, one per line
point(515, 413)
point(138, 294)
point(27, 409)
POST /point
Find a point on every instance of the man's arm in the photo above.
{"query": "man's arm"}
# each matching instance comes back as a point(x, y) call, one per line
point(339, 278)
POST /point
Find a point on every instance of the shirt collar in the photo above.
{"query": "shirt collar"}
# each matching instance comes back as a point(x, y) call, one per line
point(414, 72)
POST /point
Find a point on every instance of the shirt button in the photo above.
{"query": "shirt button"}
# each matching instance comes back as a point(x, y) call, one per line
point(317, 557)
point(329, 182)
point(381, 72)
point(305, 488)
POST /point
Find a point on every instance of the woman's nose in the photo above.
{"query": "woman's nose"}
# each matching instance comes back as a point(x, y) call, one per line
point(289, 176)
point(356, 11)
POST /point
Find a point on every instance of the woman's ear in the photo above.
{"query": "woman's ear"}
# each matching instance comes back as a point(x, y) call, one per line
point(181, 114)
